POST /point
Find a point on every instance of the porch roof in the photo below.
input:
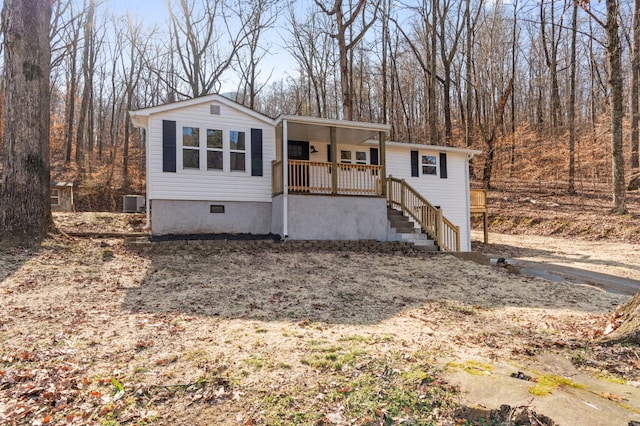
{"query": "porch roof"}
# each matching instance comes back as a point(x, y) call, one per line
point(317, 129)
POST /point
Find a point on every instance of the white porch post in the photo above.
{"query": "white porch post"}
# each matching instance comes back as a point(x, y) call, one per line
point(285, 181)
point(383, 162)
point(334, 160)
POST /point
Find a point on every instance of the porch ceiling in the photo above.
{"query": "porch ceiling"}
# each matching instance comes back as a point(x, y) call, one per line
point(318, 129)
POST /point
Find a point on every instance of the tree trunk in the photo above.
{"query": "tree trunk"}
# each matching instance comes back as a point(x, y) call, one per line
point(71, 104)
point(615, 83)
point(572, 102)
point(24, 197)
point(634, 182)
point(87, 73)
point(468, 76)
point(433, 81)
point(629, 330)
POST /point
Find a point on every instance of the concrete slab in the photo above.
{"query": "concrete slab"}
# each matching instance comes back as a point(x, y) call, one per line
point(578, 399)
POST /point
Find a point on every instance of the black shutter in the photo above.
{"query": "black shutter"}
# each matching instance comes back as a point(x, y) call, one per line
point(329, 153)
point(373, 155)
point(256, 152)
point(443, 165)
point(415, 171)
point(168, 146)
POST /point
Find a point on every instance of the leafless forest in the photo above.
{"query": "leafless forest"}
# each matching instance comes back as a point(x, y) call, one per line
point(546, 88)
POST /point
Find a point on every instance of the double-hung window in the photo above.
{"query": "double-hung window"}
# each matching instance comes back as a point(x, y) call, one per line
point(237, 150)
point(190, 147)
point(428, 164)
point(215, 150)
point(345, 157)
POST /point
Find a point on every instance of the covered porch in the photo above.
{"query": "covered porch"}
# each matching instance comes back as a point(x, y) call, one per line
point(329, 179)
point(329, 157)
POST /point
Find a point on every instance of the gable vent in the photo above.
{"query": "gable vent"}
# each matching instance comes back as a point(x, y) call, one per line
point(214, 109)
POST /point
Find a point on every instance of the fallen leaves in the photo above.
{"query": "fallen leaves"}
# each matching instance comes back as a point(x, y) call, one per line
point(612, 397)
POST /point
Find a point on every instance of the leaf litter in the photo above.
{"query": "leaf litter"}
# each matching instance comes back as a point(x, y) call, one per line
point(262, 336)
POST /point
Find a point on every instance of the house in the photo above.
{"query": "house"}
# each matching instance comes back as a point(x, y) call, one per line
point(214, 166)
point(61, 195)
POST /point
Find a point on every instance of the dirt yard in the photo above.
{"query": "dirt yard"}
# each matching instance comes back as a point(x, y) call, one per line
point(95, 332)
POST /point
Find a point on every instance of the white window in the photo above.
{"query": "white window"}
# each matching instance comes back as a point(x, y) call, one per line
point(345, 157)
point(190, 147)
point(215, 150)
point(361, 157)
point(428, 164)
point(237, 150)
point(55, 197)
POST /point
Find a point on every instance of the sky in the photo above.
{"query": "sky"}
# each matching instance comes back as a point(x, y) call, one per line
point(279, 62)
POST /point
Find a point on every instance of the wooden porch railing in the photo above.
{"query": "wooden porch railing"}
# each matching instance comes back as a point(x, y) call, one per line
point(315, 178)
point(478, 200)
point(445, 234)
point(478, 205)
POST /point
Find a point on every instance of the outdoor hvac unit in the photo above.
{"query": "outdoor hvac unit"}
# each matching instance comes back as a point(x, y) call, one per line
point(133, 204)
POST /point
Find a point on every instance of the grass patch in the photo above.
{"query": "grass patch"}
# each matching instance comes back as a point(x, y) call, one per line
point(385, 392)
point(255, 362)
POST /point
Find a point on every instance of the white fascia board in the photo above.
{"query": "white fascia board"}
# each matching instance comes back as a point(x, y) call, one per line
point(418, 146)
point(146, 112)
point(346, 124)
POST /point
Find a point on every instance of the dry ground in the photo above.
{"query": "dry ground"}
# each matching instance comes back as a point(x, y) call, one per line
point(94, 332)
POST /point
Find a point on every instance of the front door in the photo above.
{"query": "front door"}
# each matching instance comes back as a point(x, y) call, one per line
point(298, 173)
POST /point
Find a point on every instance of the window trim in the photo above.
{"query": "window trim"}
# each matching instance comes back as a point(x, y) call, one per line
point(366, 159)
point(203, 149)
point(207, 149)
point(423, 165)
point(244, 152)
point(184, 147)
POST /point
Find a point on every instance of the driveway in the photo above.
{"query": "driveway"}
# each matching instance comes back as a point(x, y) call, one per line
point(611, 266)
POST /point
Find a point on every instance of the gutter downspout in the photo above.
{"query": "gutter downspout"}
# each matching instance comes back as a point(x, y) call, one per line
point(285, 181)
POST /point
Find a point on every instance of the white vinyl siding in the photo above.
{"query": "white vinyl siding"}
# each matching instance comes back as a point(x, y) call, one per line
point(451, 194)
point(202, 183)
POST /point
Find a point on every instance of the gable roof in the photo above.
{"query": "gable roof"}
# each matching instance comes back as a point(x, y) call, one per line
point(140, 117)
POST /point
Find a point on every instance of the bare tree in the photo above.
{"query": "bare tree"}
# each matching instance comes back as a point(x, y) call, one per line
point(132, 66)
point(311, 46)
point(550, 44)
point(572, 101)
point(24, 196)
point(261, 16)
point(616, 83)
point(196, 41)
point(345, 21)
point(634, 181)
point(83, 133)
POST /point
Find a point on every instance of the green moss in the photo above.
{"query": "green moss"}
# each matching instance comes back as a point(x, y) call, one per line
point(473, 367)
point(547, 383)
point(612, 379)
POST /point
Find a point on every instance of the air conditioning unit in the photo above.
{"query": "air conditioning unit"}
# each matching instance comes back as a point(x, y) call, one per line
point(133, 204)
